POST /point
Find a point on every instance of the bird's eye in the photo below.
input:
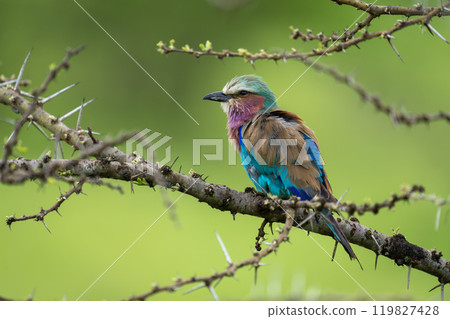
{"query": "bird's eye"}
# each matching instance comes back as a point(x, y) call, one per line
point(243, 93)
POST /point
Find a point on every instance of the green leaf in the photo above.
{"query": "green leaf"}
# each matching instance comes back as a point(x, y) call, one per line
point(21, 148)
point(186, 47)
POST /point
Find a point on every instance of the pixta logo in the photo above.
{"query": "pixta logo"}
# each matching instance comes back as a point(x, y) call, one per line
point(145, 144)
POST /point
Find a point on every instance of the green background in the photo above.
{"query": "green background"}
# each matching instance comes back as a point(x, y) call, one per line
point(364, 152)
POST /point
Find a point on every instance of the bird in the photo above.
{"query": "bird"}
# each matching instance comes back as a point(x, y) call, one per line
point(278, 151)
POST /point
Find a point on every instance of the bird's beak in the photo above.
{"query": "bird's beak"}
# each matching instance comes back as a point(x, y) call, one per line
point(217, 96)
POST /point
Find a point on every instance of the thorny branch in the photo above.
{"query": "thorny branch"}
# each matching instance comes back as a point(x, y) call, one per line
point(415, 192)
point(373, 12)
point(230, 271)
point(225, 199)
point(341, 43)
point(55, 70)
point(24, 169)
point(377, 10)
point(40, 216)
point(398, 117)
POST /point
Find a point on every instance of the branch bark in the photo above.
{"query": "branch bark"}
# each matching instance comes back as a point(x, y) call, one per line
point(223, 198)
point(377, 10)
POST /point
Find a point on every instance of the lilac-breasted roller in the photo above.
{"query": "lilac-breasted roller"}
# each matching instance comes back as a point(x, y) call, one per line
point(278, 151)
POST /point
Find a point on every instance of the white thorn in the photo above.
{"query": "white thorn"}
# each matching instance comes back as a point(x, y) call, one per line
point(58, 93)
point(438, 217)
point(27, 94)
point(393, 47)
point(376, 242)
point(262, 264)
point(62, 118)
point(46, 226)
point(41, 130)
point(19, 77)
point(56, 145)
point(7, 141)
point(305, 220)
point(342, 196)
point(79, 116)
point(95, 133)
point(225, 252)
point(213, 292)
point(8, 120)
point(195, 288)
point(43, 153)
point(8, 82)
point(437, 33)
point(61, 149)
point(218, 281)
point(409, 276)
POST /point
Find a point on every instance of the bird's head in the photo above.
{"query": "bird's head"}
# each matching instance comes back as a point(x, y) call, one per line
point(244, 93)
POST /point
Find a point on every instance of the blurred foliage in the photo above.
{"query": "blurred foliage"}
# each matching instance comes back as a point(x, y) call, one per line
point(364, 152)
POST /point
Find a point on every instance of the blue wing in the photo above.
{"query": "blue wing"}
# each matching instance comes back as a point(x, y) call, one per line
point(268, 171)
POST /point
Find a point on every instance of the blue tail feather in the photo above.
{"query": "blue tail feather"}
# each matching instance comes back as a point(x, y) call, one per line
point(337, 232)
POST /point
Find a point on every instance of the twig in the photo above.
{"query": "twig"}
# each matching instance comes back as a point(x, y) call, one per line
point(97, 148)
point(396, 116)
point(348, 41)
point(54, 72)
point(337, 46)
point(377, 10)
point(325, 40)
point(230, 271)
point(261, 234)
point(100, 182)
point(415, 192)
point(41, 215)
